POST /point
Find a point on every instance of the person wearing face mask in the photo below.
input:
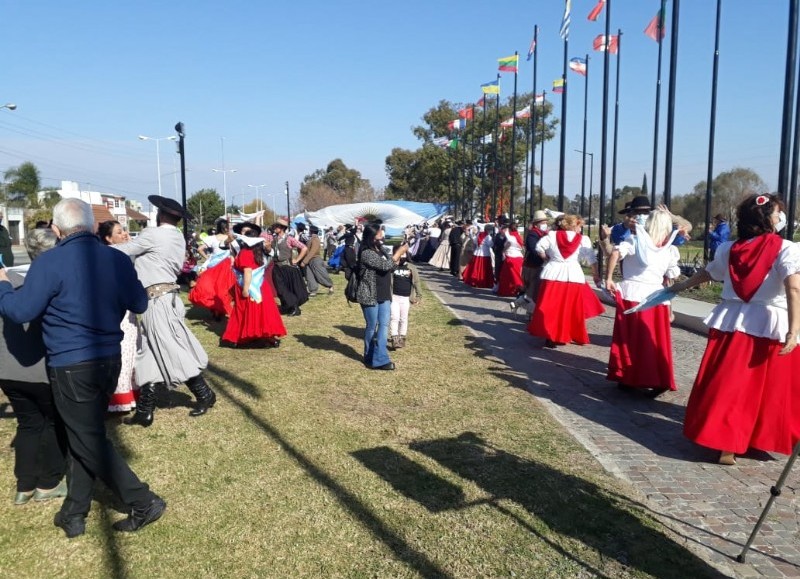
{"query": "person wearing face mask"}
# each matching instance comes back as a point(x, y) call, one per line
point(533, 263)
point(479, 272)
point(746, 391)
point(641, 343)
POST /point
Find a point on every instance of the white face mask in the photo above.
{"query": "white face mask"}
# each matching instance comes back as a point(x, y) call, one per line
point(781, 224)
point(542, 226)
point(641, 219)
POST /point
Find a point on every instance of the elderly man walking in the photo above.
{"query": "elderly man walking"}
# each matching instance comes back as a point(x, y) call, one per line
point(82, 289)
point(170, 353)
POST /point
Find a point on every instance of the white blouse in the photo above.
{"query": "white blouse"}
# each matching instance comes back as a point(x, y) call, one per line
point(485, 248)
point(766, 314)
point(640, 279)
point(512, 247)
point(560, 268)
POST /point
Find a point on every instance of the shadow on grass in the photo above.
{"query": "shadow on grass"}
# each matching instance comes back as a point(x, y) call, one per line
point(352, 504)
point(567, 504)
point(352, 331)
point(330, 344)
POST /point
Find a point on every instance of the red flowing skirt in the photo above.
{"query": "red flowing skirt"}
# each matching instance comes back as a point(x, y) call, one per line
point(641, 347)
point(252, 321)
point(562, 311)
point(744, 396)
point(510, 280)
point(213, 289)
point(479, 273)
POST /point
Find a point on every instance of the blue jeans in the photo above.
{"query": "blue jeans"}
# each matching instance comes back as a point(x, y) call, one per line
point(377, 318)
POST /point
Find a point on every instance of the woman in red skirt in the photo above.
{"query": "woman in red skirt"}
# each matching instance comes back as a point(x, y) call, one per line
point(479, 272)
point(255, 318)
point(747, 388)
point(641, 344)
point(213, 289)
point(510, 280)
point(565, 299)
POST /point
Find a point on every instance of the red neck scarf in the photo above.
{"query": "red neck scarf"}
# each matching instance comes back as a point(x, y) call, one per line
point(481, 237)
point(750, 261)
point(515, 235)
point(565, 246)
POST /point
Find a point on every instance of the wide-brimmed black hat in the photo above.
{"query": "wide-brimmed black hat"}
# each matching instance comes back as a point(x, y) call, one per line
point(625, 209)
point(640, 203)
point(169, 206)
point(249, 224)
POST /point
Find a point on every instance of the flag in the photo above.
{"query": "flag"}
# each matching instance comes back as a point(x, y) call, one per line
point(508, 63)
point(565, 21)
point(488, 139)
point(596, 10)
point(481, 102)
point(599, 43)
point(558, 85)
point(539, 100)
point(532, 48)
point(578, 65)
point(466, 113)
point(491, 87)
point(457, 124)
point(453, 144)
point(652, 28)
point(524, 113)
point(441, 141)
point(507, 123)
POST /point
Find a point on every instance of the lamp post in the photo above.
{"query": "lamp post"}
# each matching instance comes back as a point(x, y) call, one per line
point(158, 153)
point(258, 194)
point(9, 106)
point(225, 186)
point(591, 176)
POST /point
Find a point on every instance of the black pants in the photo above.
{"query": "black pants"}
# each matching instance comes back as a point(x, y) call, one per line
point(81, 394)
point(455, 258)
point(40, 446)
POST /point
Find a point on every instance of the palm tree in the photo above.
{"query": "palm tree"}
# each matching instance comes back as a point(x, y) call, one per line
point(23, 185)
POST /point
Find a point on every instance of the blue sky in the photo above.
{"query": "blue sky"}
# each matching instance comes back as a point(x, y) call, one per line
point(292, 85)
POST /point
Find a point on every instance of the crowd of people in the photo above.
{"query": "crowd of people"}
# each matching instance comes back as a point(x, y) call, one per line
point(95, 323)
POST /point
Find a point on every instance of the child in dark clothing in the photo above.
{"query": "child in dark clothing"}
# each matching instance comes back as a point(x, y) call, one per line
point(405, 291)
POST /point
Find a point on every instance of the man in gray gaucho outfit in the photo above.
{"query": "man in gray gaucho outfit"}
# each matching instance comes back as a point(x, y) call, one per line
point(170, 353)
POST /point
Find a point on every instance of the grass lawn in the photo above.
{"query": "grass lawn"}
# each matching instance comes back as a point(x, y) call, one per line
point(312, 466)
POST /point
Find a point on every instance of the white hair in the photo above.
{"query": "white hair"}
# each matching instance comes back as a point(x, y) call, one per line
point(659, 226)
point(38, 241)
point(71, 215)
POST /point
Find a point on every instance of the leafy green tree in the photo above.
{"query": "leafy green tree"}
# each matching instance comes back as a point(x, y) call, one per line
point(727, 190)
point(206, 206)
point(335, 184)
point(22, 186)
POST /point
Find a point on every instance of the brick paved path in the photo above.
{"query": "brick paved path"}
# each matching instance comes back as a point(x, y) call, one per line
point(711, 507)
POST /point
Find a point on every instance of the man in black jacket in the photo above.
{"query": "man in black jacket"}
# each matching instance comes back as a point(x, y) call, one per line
point(456, 245)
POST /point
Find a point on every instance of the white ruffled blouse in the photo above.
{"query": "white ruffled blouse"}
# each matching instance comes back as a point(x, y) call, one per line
point(560, 268)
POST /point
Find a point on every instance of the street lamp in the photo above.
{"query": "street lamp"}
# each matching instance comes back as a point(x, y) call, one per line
point(9, 106)
point(225, 186)
point(258, 195)
point(158, 154)
point(591, 176)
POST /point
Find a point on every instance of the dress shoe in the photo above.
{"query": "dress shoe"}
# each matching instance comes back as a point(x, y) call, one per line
point(59, 491)
point(22, 497)
point(73, 526)
point(206, 398)
point(142, 516)
point(727, 458)
point(295, 311)
point(144, 407)
point(389, 366)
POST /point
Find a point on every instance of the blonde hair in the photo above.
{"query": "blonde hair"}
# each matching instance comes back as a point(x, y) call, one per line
point(569, 222)
point(659, 226)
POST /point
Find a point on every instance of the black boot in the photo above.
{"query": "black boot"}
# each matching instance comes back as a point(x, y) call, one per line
point(144, 407)
point(205, 395)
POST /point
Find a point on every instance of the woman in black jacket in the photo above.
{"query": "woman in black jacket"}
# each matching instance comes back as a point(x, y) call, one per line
point(375, 295)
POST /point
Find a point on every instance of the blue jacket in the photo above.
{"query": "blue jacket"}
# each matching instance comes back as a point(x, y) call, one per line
point(719, 236)
point(81, 289)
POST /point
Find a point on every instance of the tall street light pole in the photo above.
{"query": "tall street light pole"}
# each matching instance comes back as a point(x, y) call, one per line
point(591, 176)
point(158, 153)
point(225, 186)
point(258, 194)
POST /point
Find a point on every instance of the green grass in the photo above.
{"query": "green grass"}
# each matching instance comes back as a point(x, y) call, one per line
point(312, 466)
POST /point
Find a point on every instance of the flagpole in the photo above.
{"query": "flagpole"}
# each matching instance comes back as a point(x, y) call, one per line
point(562, 161)
point(483, 163)
point(616, 127)
point(513, 144)
point(788, 97)
point(495, 143)
point(791, 195)
point(673, 81)
point(604, 143)
point(653, 176)
point(533, 118)
point(541, 159)
point(585, 116)
point(527, 169)
point(472, 164)
point(712, 125)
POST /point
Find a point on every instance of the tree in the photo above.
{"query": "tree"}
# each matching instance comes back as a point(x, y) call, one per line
point(206, 206)
point(23, 185)
point(334, 185)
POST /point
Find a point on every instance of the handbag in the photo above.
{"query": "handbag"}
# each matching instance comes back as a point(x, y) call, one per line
point(351, 289)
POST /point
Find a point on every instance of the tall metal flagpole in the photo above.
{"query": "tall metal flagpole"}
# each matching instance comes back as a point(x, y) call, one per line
point(483, 162)
point(673, 80)
point(496, 144)
point(653, 181)
point(788, 97)
point(712, 125)
point(513, 143)
point(562, 161)
point(791, 194)
point(527, 169)
point(616, 128)
point(541, 158)
point(604, 143)
point(585, 116)
point(288, 209)
point(533, 118)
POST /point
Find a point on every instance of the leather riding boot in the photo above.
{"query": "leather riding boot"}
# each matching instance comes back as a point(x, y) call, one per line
point(205, 395)
point(145, 406)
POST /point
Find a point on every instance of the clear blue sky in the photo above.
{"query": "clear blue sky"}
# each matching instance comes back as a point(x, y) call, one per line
point(292, 85)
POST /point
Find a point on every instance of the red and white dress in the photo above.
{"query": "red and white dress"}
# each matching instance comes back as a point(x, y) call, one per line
point(510, 281)
point(745, 394)
point(214, 287)
point(641, 344)
point(124, 397)
point(480, 272)
point(565, 299)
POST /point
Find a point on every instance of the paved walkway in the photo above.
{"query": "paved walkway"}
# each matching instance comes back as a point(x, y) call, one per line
point(711, 507)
